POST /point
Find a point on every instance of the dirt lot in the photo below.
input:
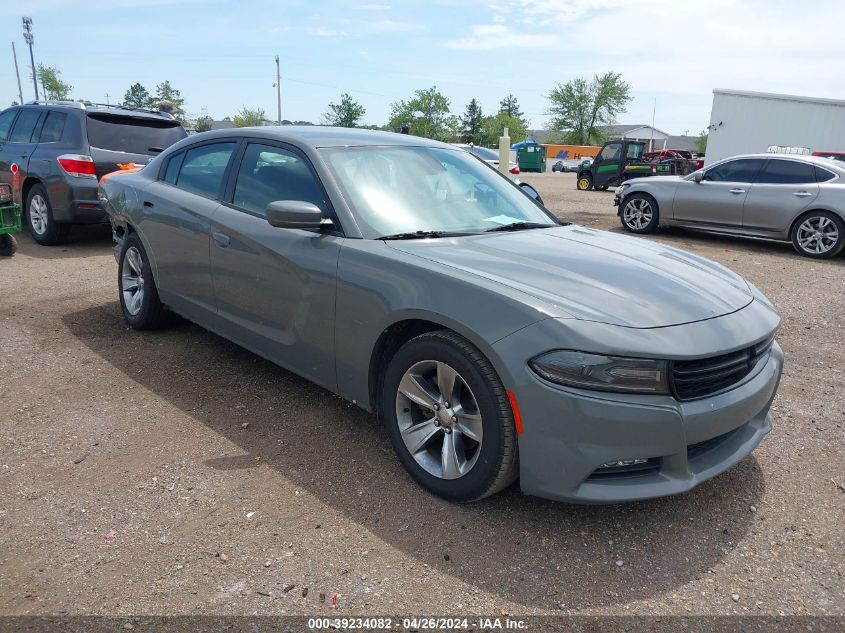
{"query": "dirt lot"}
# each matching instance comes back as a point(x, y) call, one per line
point(172, 472)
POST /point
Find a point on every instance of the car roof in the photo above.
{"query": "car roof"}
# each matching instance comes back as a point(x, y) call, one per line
point(101, 108)
point(821, 161)
point(323, 136)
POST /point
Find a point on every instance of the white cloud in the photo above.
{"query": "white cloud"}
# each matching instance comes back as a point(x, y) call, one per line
point(321, 31)
point(484, 37)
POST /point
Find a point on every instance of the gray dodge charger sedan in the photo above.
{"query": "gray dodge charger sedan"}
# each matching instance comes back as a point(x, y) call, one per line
point(492, 341)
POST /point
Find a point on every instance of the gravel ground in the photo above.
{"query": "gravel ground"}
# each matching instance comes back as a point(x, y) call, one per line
point(174, 473)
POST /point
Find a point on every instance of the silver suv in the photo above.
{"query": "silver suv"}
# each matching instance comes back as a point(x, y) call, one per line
point(53, 154)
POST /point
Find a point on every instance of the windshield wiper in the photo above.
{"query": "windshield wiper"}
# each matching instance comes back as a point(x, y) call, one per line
point(519, 226)
point(414, 235)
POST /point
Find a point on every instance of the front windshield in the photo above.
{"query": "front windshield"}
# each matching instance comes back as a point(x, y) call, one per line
point(404, 189)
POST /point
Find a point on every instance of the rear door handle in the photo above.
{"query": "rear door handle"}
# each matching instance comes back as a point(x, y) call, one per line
point(737, 191)
point(802, 194)
point(147, 203)
point(222, 239)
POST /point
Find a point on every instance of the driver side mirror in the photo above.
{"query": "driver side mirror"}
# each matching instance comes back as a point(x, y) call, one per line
point(294, 214)
point(698, 176)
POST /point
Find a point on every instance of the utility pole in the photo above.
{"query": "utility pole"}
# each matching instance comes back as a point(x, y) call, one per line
point(27, 35)
point(278, 94)
point(17, 72)
point(107, 99)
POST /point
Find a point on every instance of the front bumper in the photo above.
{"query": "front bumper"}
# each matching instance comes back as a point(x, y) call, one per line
point(570, 433)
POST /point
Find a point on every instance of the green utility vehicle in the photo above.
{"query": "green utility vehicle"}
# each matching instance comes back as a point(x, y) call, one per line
point(10, 222)
point(618, 161)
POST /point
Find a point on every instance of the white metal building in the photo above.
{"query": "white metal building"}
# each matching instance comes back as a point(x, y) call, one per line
point(743, 122)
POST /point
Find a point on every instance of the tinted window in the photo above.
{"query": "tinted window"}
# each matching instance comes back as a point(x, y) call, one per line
point(132, 135)
point(786, 172)
point(53, 127)
point(823, 175)
point(173, 165)
point(6, 120)
point(203, 168)
point(270, 173)
point(611, 152)
point(24, 126)
point(734, 171)
point(485, 153)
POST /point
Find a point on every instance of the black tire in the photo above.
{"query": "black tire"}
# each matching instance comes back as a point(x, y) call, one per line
point(603, 188)
point(149, 313)
point(496, 463)
point(8, 245)
point(823, 222)
point(44, 229)
point(584, 182)
point(639, 213)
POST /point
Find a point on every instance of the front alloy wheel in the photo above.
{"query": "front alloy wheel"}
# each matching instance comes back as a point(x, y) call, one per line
point(449, 417)
point(439, 419)
point(584, 183)
point(639, 213)
point(819, 235)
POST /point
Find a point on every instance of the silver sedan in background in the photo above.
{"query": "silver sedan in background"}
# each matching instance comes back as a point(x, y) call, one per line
point(797, 198)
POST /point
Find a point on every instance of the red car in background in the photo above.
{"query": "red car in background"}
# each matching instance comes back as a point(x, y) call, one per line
point(838, 155)
point(663, 154)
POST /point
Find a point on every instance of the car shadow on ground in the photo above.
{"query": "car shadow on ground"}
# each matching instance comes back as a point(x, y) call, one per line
point(535, 552)
point(83, 241)
point(687, 238)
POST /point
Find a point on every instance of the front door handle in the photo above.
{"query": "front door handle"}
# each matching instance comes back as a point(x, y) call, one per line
point(222, 239)
point(802, 194)
point(147, 203)
point(737, 191)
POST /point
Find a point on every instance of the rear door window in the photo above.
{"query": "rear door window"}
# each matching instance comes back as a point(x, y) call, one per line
point(172, 171)
point(53, 127)
point(786, 172)
point(6, 120)
point(204, 167)
point(24, 126)
point(133, 135)
point(823, 175)
point(743, 170)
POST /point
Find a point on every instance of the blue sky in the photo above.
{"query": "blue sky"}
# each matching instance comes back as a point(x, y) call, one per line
point(220, 53)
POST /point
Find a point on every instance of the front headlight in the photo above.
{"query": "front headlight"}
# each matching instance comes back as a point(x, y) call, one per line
point(603, 373)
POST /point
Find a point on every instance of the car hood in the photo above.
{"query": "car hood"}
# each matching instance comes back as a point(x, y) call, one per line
point(595, 275)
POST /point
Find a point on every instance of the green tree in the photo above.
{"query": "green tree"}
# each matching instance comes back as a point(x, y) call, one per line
point(427, 114)
point(54, 88)
point(167, 93)
point(471, 122)
point(580, 107)
point(137, 97)
point(249, 117)
point(347, 113)
point(509, 106)
point(492, 128)
point(701, 142)
point(203, 123)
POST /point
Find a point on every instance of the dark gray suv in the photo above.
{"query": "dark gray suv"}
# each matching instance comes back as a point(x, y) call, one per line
point(53, 154)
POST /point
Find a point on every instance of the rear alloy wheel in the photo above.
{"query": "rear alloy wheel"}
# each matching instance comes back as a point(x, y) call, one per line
point(449, 418)
point(639, 213)
point(584, 183)
point(39, 219)
point(139, 300)
point(819, 234)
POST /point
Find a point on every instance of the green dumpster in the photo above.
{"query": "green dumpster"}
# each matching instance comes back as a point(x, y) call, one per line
point(531, 158)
